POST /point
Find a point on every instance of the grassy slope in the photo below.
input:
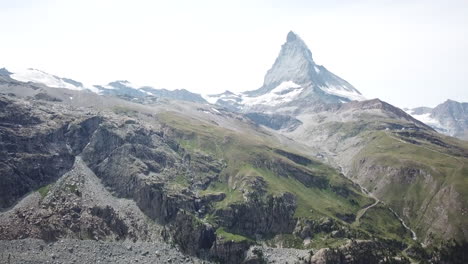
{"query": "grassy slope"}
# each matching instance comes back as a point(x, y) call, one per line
point(445, 166)
point(378, 220)
point(242, 153)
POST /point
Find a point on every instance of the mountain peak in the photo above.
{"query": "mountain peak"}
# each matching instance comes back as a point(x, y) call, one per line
point(294, 41)
point(295, 64)
point(291, 36)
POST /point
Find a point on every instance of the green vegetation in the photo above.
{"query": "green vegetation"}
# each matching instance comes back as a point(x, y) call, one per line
point(232, 195)
point(424, 168)
point(250, 156)
point(312, 202)
point(44, 190)
point(254, 162)
point(122, 110)
point(211, 219)
point(221, 232)
point(322, 240)
point(381, 222)
point(286, 241)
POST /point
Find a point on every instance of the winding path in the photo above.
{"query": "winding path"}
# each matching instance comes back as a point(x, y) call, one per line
point(363, 211)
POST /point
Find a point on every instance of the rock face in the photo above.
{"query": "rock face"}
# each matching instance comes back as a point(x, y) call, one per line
point(450, 118)
point(35, 148)
point(294, 63)
point(275, 215)
point(454, 117)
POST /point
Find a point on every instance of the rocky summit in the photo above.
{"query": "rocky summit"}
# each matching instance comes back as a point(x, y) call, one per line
point(301, 170)
point(293, 82)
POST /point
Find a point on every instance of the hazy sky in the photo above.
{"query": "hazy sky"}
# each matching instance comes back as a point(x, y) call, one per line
point(409, 53)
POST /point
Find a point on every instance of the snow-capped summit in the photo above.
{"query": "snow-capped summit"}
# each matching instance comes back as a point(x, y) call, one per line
point(293, 82)
point(295, 63)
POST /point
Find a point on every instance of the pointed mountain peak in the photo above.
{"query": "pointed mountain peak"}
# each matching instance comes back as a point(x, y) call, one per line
point(293, 39)
point(291, 36)
point(295, 64)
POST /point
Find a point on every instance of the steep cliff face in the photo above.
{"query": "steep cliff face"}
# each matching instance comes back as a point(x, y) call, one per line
point(37, 147)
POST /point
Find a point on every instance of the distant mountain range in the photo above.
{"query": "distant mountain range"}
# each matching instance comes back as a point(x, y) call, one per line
point(120, 88)
point(294, 81)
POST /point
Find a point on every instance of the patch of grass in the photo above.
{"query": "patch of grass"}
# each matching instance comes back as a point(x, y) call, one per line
point(181, 180)
point(323, 240)
point(232, 195)
point(381, 222)
point(122, 110)
point(211, 219)
point(44, 190)
point(221, 232)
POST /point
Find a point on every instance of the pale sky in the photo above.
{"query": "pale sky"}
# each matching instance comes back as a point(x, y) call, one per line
point(408, 53)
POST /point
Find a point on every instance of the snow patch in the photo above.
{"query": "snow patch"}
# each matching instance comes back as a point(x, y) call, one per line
point(131, 85)
point(37, 76)
point(93, 89)
point(283, 93)
point(427, 119)
point(210, 98)
point(343, 91)
point(226, 96)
